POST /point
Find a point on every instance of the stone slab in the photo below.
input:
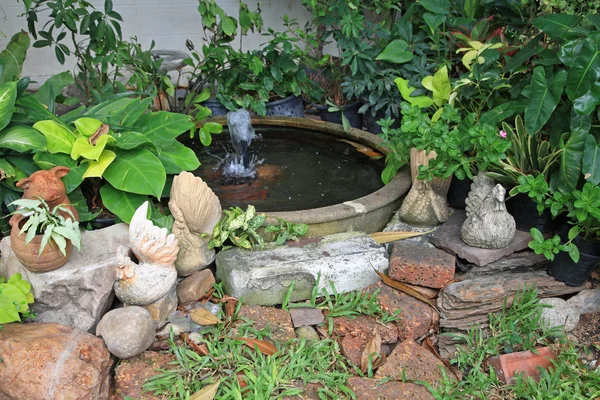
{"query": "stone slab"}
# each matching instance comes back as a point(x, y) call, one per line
point(522, 261)
point(80, 292)
point(448, 238)
point(263, 277)
point(397, 225)
point(303, 316)
point(586, 301)
point(422, 266)
point(277, 321)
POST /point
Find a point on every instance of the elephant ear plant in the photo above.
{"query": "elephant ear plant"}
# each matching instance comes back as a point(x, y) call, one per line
point(15, 297)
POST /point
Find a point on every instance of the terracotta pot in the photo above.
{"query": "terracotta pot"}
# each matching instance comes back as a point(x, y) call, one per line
point(50, 259)
point(420, 157)
point(508, 365)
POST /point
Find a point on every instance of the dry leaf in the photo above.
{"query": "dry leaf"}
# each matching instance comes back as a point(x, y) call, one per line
point(203, 317)
point(373, 346)
point(366, 150)
point(230, 306)
point(206, 296)
point(198, 348)
point(241, 381)
point(387, 237)
point(264, 347)
point(428, 346)
point(102, 130)
point(206, 393)
point(406, 289)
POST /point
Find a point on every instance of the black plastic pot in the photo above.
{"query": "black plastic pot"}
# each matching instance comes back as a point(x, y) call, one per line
point(216, 107)
point(291, 106)
point(459, 191)
point(370, 121)
point(524, 209)
point(100, 223)
point(350, 111)
point(563, 268)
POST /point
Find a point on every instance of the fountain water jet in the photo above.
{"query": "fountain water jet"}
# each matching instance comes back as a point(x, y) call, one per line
point(242, 133)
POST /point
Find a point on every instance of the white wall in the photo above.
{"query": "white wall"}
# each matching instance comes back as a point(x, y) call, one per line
point(168, 22)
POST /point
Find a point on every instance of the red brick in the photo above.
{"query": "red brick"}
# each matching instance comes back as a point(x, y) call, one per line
point(278, 321)
point(370, 389)
point(416, 317)
point(363, 325)
point(352, 347)
point(132, 373)
point(421, 265)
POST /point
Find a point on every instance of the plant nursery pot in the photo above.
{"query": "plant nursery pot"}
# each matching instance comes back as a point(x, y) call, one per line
point(291, 106)
point(525, 362)
point(216, 107)
point(524, 209)
point(421, 157)
point(370, 122)
point(50, 259)
point(100, 223)
point(458, 192)
point(563, 268)
point(350, 111)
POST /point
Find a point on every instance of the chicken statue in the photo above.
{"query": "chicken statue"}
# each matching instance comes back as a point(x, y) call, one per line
point(154, 276)
point(488, 224)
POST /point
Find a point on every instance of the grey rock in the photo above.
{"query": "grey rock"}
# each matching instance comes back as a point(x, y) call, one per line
point(263, 277)
point(397, 225)
point(523, 261)
point(448, 237)
point(307, 332)
point(195, 286)
point(162, 308)
point(165, 332)
point(586, 301)
point(560, 314)
point(306, 316)
point(181, 322)
point(127, 331)
point(81, 291)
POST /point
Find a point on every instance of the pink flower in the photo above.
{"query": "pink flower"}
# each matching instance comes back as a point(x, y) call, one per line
point(503, 134)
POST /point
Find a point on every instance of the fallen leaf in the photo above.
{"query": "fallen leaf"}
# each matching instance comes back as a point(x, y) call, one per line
point(207, 392)
point(406, 289)
point(264, 347)
point(373, 346)
point(198, 348)
point(102, 130)
point(428, 346)
point(202, 316)
point(387, 237)
point(206, 296)
point(366, 150)
point(322, 331)
point(241, 381)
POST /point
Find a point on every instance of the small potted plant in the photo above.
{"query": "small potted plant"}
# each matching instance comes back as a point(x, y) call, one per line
point(41, 238)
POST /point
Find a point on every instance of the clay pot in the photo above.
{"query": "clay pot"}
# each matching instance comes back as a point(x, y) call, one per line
point(420, 157)
point(50, 259)
point(508, 365)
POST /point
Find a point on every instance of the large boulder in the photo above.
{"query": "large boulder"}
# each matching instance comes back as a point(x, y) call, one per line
point(52, 361)
point(81, 291)
point(263, 277)
point(127, 331)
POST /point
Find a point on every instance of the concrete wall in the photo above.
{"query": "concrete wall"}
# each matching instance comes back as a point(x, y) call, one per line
point(168, 22)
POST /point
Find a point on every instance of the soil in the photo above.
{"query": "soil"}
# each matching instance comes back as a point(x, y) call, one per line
point(588, 329)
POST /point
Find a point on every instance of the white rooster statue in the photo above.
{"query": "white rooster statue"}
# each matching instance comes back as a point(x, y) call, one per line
point(156, 250)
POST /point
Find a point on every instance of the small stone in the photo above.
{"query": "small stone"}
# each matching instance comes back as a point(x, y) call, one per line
point(364, 325)
point(52, 361)
point(420, 265)
point(560, 314)
point(165, 332)
point(277, 321)
point(127, 331)
point(195, 286)
point(307, 332)
point(448, 238)
point(411, 361)
point(372, 389)
point(415, 319)
point(161, 309)
point(302, 316)
point(586, 301)
point(131, 374)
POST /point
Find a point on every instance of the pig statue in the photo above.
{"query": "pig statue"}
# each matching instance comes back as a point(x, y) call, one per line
point(48, 186)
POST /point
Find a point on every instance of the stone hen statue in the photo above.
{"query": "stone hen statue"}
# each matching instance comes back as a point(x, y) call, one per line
point(488, 224)
point(196, 210)
point(154, 276)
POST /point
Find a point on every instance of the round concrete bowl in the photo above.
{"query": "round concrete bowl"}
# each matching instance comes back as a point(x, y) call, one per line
point(367, 214)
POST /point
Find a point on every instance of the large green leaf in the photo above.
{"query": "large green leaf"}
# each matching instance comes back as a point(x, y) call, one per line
point(83, 148)
point(121, 203)
point(585, 71)
point(22, 138)
point(131, 140)
point(532, 48)
point(163, 125)
point(543, 98)
point(13, 56)
point(591, 160)
point(134, 111)
point(75, 176)
point(6, 169)
point(500, 113)
point(436, 6)
point(111, 110)
point(24, 163)
point(59, 138)
point(176, 157)
point(137, 171)
point(440, 85)
point(559, 26)
point(570, 162)
point(405, 91)
point(587, 103)
point(398, 52)
point(8, 96)
point(53, 87)
point(95, 169)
